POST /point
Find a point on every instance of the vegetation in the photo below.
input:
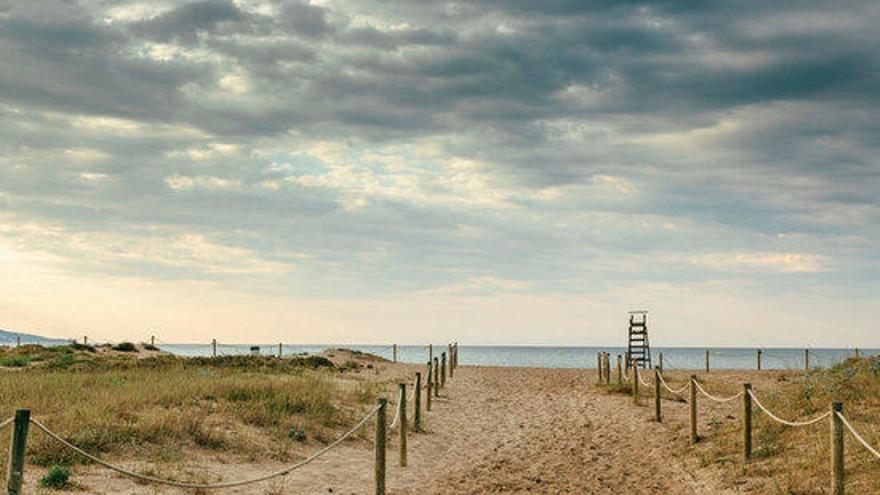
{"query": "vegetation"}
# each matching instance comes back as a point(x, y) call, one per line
point(785, 461)
point(794, 461)
point(125, 347)
point(161, 407)
point(57, 477)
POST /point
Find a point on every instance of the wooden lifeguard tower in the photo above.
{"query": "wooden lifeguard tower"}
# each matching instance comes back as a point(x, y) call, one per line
point(638, 350)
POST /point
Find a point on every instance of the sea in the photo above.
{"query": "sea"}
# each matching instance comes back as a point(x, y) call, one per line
point(556, 357)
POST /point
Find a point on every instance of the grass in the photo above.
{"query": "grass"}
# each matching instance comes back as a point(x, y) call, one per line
point(786, 461)
point(125, 347)
point(164, 407)
point(57, 477)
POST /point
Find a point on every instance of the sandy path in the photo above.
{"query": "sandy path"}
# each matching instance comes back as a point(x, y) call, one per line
point(499, 430)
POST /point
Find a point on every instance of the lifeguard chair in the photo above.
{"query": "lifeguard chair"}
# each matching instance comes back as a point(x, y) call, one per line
point(638, 350)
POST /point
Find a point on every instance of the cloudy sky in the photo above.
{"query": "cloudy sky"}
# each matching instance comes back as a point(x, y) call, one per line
point(396, 171)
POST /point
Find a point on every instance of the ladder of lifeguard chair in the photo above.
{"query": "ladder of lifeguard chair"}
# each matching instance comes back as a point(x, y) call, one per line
point(638, 349)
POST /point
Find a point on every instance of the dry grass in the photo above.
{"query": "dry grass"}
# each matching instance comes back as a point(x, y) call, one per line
point(162, 408)
point(789, 461)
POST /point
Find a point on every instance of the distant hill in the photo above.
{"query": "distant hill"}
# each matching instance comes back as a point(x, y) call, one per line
point(9, 338)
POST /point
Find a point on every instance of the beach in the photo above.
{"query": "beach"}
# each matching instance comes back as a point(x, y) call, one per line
point(498, 430)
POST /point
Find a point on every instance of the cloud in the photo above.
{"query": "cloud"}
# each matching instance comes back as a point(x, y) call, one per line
point(401, 148)
point(184, 183)
point(773, 262)
point(185, 22)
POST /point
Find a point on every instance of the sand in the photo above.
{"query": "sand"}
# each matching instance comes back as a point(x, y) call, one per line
point(497, 430)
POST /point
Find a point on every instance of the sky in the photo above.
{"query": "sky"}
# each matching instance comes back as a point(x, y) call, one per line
point(517, 172)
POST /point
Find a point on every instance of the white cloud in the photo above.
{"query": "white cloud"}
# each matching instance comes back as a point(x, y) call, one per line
point(187, 183)
point(764, 261)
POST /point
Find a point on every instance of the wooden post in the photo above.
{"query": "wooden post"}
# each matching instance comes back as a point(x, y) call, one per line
point(417, 407)
point(430, 352)
point(85, 340)
point(152, 341)
point(619, 371)
point(18, 341)
point(607, 369)
point(394, 352)
point(436, 377)
point(380, 446)
point(442, 369)
point(759, 359)
point(599, 367)
point(857, 352)
point(806, 360)
point(635, 385)
point(747, 423)
point(451, 361)
point(401, 428)
point(657, 416)
point(707, 361)
point(836, 450)
point(693, 406)
point(429, 389)
point(280, 351)
point(16, 452)
point(214, 347)
point(455, 348)
point(661, 362)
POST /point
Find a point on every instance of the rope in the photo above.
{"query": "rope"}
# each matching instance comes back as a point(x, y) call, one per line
point(203, 486)
point(8, 421)
point(717, 399)
point(396, 411)
point(856, 434)
point(674, 392)
point(788, 423)
point(643, 382)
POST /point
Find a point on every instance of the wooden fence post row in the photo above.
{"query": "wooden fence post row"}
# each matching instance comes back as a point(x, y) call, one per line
point(835, 422)
point(417, 407)
point(451, 360)
point(836, 450)
point(436, 377)
point(607, 368)
point(692, 395)
point(443, 369)
point(17, 450)
point(635, 381)
point(430, 388)
point(657, 398)
point(619, 370)
point(747, 423)
point(380, 447)
point(401, 427)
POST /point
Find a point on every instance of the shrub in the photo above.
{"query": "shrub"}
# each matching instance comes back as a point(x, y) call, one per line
point(82, 347)
point(125, 347)
point(56, 477)
point(15, 361)
point(297, 434)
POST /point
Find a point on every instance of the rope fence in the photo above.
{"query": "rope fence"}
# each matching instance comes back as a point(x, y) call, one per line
point(838, 421)
point(23, 419)
point(714, 398)
point(202, 486)
point(668, 388)
point(858, 437)
point(783, 421)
